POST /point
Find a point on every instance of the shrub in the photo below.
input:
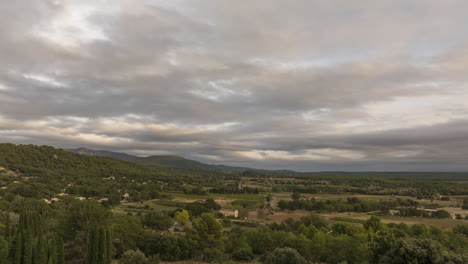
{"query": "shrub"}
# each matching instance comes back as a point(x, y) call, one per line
point(243, 254)
point(133, 257)
point(285, 256)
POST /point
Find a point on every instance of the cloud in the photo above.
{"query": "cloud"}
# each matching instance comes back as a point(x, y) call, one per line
point(307, 85)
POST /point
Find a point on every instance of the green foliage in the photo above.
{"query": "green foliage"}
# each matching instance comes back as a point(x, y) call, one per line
point(81, 216)
point(198, 208)
point(182, 217)
point(259, 240)
point(213, 255)
point(4, 250)
point(157, 221)
point(350, 205)
point(248, 204)
point(373, 223)
point(296, 195)
point(465, 204)
point(461, 229)
point(128, 232)
point(206, 232)
point(341, 248)
point(133, 257)
point(243, 254)
point(344, 229)
point(65, 231)
point(285, 256)
point(169, 247)
point(419, 251)
point(99, 246)
point(441, 214)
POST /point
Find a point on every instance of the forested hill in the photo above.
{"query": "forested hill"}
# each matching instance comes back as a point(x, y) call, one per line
point(40, 160)
point(44, 172)
point(170, 161)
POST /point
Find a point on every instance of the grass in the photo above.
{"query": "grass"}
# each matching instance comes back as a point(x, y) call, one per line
point(349, 220)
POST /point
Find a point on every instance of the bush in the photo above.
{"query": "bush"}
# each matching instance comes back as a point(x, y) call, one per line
point(133, 257)
point(441, 214)
point(157, 221)
point(154, 260)
point(243, 254)
point(285, 256)
point(213, 255)
point(410, 250)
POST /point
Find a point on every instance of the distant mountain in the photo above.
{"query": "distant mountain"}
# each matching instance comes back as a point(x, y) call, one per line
point(173, 162)
point(105, 153)
point(169, 161)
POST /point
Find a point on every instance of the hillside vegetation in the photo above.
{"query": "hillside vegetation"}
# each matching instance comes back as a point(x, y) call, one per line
point(62, 207)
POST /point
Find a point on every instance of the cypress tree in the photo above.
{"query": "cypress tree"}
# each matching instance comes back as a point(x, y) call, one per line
point(37, 223)
point(96, 246)
point(60, 251)
point(52, 252)
point(19, 248)
point(89, 252)
point(7, 226)
point(28, 247)
point(41, 252)
point(21, 223)
point(12, 232)
point(109, 247)
point(102, 248)
point(93, 246)
point(4, 250)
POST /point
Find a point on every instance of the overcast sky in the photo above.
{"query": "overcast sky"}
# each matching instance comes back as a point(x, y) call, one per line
point(308, 85)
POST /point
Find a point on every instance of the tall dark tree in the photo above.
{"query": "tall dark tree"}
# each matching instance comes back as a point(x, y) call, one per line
point(19, 248)
point(99, 241)
point(40, 256)
point(4, 250)
point(60, 251)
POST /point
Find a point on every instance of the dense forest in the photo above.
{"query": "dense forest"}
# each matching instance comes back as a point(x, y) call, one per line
point(61, 207)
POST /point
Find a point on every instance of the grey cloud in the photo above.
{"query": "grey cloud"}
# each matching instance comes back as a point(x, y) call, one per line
point(249, 84)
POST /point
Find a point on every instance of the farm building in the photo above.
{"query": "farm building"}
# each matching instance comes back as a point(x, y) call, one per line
point(230, 212)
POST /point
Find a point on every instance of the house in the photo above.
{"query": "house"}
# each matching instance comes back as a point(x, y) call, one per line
point(51, 200)
point(103, 199)
point(230, 212)
point(394, 212)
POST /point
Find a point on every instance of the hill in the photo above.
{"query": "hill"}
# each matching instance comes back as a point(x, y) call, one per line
point(169, 161)
point(106, 153)
point(44, 172)
point(41, 160)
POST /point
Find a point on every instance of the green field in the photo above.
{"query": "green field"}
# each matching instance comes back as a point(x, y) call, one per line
point(170, 203)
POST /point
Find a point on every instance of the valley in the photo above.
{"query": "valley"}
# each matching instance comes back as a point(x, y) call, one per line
point(163, 211)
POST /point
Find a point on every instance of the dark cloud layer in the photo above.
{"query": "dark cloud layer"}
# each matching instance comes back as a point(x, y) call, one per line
point(306, 85)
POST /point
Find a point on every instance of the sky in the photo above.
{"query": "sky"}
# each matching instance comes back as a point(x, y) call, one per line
point(308, 85)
